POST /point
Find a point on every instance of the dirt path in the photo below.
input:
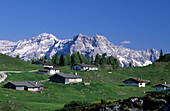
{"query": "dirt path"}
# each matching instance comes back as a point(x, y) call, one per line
point(3, 76)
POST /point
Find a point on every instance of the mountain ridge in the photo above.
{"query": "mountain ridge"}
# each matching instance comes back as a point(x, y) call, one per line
point(48, 44)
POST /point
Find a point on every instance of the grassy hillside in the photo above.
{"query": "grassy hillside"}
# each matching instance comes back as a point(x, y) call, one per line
point(103, 86)
point(158, 72)
point(8, 63)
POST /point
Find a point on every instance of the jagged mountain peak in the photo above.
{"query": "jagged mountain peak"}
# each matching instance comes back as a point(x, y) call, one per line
point(79, 36)
point(47, 44)
point(99, 36)
point(46, 36)
point(95, 38)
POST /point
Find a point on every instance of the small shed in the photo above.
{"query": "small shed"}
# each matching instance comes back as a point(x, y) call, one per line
point(161, 87)
point(66, 78)
point(134, 82)
point(49, 71)
point(44, 64)
point(26, 85)
point(84, 67)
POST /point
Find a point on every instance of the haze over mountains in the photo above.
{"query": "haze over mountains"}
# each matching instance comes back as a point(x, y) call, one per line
point(48, 44)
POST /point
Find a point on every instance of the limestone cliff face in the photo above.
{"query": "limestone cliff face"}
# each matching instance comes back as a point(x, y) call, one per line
point(48, 44)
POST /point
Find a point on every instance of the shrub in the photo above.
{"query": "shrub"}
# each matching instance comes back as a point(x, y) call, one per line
point(75, 106)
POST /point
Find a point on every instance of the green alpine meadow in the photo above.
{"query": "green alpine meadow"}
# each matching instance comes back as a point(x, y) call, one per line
point(105, 83)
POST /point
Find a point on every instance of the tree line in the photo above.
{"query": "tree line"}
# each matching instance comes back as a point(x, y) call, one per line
point(77, 58)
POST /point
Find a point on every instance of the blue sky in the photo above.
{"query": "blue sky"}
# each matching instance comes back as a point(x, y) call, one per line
point(136, 24)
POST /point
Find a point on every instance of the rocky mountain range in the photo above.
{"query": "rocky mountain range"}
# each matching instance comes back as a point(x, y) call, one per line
point(48, 44)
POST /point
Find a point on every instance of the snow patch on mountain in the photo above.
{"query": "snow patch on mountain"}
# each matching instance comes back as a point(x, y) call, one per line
point(48, 44)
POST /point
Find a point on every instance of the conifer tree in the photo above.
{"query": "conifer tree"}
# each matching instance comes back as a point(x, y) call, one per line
point(17, 57)
point(74, 58)
point(79, 57)
point(53, 59)
point(45, 57)
point(103, 61)
point(88, 59)
point(62, 61)
point(113, 61)
point(115, 64)
point(130, 64)
point(110, 60)
point(57, 59)
point(41, 59)
point(33, 60)
point(83, 59)
point(50, 60)
point(161, 55)
point(92, 59)
point(68, 57)
point(97, 59)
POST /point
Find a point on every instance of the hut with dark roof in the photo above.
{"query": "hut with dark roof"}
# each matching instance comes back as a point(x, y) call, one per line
point(26, 85)
point(134, 82)
point(66, 78)
point(44, 64)
point(49, 71)
point(84, 67)
point(160, 87)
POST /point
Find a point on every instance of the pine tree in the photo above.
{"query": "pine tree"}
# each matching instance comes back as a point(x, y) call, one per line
point(57, 60)
point(45, 57)
point(161, 55)
point(97, 59)
point(53, 59)
point(50, 60)
point(62, 61)
point(113, 61)
point(33, 60)
point(92, 59)
point(89, 59)
point(42, 59)
point(103, 61)
point(130, 64)
point(17, 57)
point(74, 58)
point(83, 59)
point(79, 57)
point(110, 60)
point(115, 64)
point(68, 57)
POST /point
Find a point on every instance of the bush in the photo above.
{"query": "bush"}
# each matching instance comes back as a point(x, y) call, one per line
point(136, 104)
point(103, 101)
point(75, 106)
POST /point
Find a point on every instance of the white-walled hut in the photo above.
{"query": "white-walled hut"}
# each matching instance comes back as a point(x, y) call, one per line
point(84, 67)
point(26, 85)
point(49, 71)
point(66, 78)
point(134, 82)
point(44, 64)
point(162, 87)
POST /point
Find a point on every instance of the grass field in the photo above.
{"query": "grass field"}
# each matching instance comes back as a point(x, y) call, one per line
point(158, 72)
point(8, 63)
point(103, 86)
point(106, 86)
